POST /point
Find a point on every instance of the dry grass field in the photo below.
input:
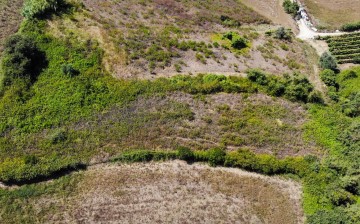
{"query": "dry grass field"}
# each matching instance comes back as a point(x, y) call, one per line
point(172, 192)
point(273, 10)
point(10, 18)
point(333, 14)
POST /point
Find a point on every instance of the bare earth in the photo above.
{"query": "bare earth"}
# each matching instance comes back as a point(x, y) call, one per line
point(175, 192)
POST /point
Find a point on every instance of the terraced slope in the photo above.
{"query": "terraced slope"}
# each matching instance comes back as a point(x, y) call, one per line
point(345, 48)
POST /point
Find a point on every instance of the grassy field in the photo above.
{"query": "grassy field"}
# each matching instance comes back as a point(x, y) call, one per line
point(332, 14)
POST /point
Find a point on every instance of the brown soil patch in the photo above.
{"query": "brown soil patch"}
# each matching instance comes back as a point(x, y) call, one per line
point(175, 192)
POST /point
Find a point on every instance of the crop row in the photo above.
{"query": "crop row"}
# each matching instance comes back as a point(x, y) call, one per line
point(347, 56)
point(346, 51)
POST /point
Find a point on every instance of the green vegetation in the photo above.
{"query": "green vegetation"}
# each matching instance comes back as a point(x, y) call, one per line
point(291, 7)
point(242, 158)
point(57, 116)
point(327, 61)
point(40, 8)
point(349, 27)
point(345, 48)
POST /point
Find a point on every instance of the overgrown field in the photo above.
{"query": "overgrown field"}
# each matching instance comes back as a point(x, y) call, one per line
point(68, 112)
point(345, 48)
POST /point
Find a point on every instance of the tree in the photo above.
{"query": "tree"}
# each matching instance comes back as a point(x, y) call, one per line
point(328, 76)
point(291, 7)
point(22, 59)
point(327, 61)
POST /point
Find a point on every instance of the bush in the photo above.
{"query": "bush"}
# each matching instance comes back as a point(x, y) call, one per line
point(283, 34)
point(315, 97)
point(327, 61)
point(186, 154)
point(22, 59)
point(257, 76)
point(351, 27)
point(291, 7)
point(69, 70)
point(351, 106)
point(328, 76)
point(40, 8)
point(216, 157)
point(239, 43)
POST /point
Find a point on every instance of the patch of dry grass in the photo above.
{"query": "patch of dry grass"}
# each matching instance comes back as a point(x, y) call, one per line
point(333, 14)
point(175, 192)
point(10, 18)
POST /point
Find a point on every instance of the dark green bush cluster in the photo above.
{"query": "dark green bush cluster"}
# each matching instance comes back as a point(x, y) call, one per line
point(40, 8)
point(351, 105)
point(349, 27)
point(328, 76)
point(22, 59)
point(237, 42)
point(295, 88)
point(291, 7)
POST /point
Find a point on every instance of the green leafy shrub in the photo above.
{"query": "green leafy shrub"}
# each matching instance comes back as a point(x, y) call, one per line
point(351, 105)
point(216, 157)
point(22, 59)
point(327, 61)
point(328, 76)
point(40, 8)
point(349, 27)
point(69, 70)
point(185, 153)
point(257, 76)
point(291, 7)
point(227, 21)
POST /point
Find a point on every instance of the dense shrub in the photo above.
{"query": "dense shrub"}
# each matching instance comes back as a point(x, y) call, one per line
point(227, 21)
point(328, 76)
point(133, 156)
point(185, 153)
point(39, 8)
point(216, 157)
point(257, 76)
point(69, 70)
point(327, 61)
point(291, 7)
point(22, 59)
point(337, 216)
point(351, 105)
point(351, 27)
point(298, 88)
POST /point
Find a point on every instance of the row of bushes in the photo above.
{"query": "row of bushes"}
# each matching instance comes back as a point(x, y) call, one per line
point(40, 8)
point(349, 27)
point(243, 158)
point(295, 88)
point(30, 168)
